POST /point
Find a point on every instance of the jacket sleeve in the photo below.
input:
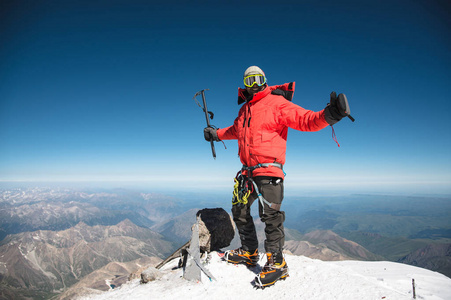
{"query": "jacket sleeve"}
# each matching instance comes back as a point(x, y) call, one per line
point(231, 132)
point(227, 133)
point(299, 118)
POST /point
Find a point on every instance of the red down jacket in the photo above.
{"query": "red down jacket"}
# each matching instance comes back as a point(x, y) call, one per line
point(262, 126)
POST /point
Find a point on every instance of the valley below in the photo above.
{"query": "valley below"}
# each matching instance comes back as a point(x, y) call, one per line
point(58, 243)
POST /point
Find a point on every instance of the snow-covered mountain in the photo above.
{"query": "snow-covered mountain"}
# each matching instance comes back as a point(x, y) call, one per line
point(309, 279)
point(44, 263)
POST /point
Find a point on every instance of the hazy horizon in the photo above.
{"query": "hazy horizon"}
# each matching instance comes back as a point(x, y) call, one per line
point(224, 191)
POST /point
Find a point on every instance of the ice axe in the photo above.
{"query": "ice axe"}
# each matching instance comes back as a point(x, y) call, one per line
point(202, 92)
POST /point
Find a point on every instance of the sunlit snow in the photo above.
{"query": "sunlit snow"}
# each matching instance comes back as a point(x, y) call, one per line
point(309, 279)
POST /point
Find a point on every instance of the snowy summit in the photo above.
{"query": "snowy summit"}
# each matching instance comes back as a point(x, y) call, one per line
point(309, 279)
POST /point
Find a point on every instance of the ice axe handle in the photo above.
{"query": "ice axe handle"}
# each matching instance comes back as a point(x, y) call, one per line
point(213, 151)
point(351, 118)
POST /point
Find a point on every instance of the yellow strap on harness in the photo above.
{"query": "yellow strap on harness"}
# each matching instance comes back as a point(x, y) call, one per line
point(238, 196)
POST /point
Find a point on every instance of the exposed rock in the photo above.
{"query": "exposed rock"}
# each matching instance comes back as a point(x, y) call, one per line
point(329, 246)
point(108, 277)
point(150, 274)
point(435, 257)
point(216, 229)
point(45, 263)
point(338, 244)
point(137, 273)
point(314, 251)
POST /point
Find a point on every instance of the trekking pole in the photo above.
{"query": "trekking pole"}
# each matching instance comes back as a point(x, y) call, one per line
point(202, 92)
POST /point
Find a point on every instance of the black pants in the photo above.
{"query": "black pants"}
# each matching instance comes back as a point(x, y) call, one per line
point(271, 189)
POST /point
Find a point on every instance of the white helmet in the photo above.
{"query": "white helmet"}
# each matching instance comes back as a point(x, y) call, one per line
point(253, 70)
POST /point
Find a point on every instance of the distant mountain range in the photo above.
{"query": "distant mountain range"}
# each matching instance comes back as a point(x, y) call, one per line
point(177, 229)
point(435, 257)
point(43, 263)
point(51, 215)
point(55, 239)
point(23, 210)
point(329, 246)
point(390, 216)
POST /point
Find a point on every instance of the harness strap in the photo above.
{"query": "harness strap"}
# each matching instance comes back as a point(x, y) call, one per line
point(259, 195)
point(262, 200)
point(265, 165)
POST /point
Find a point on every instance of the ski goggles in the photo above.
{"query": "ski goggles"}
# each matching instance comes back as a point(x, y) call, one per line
point(250, 80)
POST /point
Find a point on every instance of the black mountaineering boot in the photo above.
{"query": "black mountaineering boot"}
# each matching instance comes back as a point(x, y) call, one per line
point(275, 269)
point(241, 256)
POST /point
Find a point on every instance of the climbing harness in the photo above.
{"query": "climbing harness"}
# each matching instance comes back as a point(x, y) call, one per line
point(242, 189)
point(245, 186)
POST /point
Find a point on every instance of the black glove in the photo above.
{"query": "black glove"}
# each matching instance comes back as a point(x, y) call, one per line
point(337, 109)
point(287, 94)
point(210, 134)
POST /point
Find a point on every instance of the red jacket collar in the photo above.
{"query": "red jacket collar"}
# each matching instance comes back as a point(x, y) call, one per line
point(243, 95)
point(260, 95)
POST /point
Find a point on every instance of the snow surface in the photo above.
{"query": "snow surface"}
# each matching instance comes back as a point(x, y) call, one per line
point(309, 279)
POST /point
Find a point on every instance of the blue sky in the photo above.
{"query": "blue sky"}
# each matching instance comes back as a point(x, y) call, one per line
point(102, 90)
